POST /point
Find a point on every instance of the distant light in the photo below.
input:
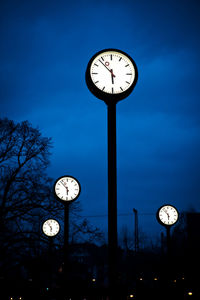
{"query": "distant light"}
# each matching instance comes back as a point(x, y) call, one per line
point(93, 279)
point(183, 278)
point(155, 278)
point(131, 296)
point(174, 280)
point(190, 293)
point(20, 298)
point(141, 278)
point(47, 289)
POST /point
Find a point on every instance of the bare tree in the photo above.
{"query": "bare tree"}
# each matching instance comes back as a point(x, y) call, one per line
point(25, 189)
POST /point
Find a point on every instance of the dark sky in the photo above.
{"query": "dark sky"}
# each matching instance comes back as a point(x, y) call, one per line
point(44, 50)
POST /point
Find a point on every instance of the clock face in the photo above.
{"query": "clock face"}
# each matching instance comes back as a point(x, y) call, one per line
point(67, 188)
point(111, 74)
point(51, 227)
point(167, 215)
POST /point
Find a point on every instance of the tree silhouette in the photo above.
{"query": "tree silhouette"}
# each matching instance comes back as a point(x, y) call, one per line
point(26, 195)
point(25, 189)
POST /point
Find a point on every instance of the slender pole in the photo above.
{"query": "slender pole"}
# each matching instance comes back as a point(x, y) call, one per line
point(50, 262)
point(66, 239)
point(136, 230)
point(168, 242)
point(168, 260)
point(112, 197)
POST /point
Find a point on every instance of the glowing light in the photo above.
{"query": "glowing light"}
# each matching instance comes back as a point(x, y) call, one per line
point(155, 278)
point(174, 280)
point(190, 293)
point(141, 278)
point(131, 296)
point(93, 279)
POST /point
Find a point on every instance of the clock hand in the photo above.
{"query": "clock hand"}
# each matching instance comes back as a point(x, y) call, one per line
point(111, 71)
point(63, 184)
point(67, 190)
point(112, 76)
point(50, 227)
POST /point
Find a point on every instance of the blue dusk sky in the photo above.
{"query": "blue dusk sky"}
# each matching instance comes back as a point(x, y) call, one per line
point(44, 50)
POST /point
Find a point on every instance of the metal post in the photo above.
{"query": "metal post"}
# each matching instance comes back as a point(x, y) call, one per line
point(168, 243)
point(136, 230)
point(50, 262)
point(168, 260)
point(112, 197)
point(66, 239)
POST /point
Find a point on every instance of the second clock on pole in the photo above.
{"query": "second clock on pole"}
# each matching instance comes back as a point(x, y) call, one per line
point(66, 189)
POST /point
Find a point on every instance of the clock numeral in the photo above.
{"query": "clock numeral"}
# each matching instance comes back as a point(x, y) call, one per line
point(112, 90)
point(95, 73)
point(102, 58)
point(128, 73)
point(121, 88)
point(127, 82)
point(111, 56)
point(103, 88)
point(127, 65)
point(120, 58)
point(97, 81)
point(96, 65)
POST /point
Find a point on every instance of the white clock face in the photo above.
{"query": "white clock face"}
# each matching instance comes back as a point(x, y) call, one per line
point(168, 215)
point(112, 72)
point(67, 188)
point(51, 227)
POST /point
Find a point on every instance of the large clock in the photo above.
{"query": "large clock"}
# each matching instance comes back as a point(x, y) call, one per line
point(111, 75)
point(167, 215)
point(67, 188)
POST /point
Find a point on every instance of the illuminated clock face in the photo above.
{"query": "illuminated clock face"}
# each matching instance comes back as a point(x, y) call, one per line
point(51, 227)
point(111, 73)
point(168, 215)
point(67, 188)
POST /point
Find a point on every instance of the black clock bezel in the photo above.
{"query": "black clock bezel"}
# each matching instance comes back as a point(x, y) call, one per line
point(158, 219)
point(66, 201)
point(106, 97)
point(50, 236)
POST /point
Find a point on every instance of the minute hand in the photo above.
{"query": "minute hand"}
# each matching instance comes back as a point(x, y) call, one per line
point(111, 71)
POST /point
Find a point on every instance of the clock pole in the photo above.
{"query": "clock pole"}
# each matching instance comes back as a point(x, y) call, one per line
point(66, 189)
point(111, 76)
point(112, 197)
point(66, 239)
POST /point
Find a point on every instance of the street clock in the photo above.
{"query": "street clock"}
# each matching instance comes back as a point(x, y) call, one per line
point(111, 75)
point(67, 189)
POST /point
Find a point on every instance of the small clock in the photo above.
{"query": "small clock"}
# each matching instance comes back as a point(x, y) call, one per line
point(111, 75)
point(51, 227)
point(67, 188)
point(167, 215)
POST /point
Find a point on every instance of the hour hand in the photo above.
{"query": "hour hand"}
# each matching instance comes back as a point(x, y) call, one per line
point(112, 76)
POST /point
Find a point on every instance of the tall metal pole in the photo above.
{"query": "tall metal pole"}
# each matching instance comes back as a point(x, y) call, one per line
point(112, 197)
point(66, 240)
point(136, 230)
